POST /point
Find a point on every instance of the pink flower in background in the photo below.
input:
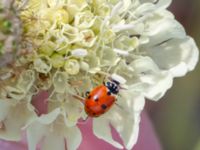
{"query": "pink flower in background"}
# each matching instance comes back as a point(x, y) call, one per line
point(69, 48)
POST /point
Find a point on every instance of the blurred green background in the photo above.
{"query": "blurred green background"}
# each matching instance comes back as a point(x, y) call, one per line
point(176, 117)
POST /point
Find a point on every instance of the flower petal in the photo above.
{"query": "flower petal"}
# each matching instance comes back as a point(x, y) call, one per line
point(16, 118)
point(74, 138)
point(26, 80)
point(50, 117)
point(35, 132)
point(72, 111)
point(155, 81)
point(158, 34)
point(42, 64)
point(53, 142)
point(102, 130)
point(4, 109)
point(177, 55)
point(158, 90)
point(127, 125)
point(130, 101)
point(60, 81)
point(125, 116)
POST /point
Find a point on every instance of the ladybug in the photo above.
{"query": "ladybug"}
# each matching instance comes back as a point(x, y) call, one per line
point(101, 98)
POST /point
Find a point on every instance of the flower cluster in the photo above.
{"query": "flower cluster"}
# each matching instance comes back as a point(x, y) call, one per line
point(70, 46)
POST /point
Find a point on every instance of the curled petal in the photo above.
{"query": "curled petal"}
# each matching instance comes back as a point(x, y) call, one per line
point(57, 60)
point(157, 91)
point(126, 72)
point(159, 34)
point(134, 101)
point(71, 33)
point(42, 64)
point(109, 57)
point(162, 4)
point(84, 20)
point(14, 93)
point(87, 38)
point(176, 55)
point(72, 66)
point(60, 81)
point(74, 138)
point(26, 80)
point(124, 117)
point(102, 130)
point(155, 81)
point(126, 125)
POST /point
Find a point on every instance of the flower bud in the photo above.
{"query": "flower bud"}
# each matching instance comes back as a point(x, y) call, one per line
point(72, 66)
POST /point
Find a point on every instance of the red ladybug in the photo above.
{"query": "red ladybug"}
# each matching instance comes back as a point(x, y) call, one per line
point(101, 98)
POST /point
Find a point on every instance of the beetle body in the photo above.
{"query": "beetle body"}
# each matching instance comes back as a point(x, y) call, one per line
point(101, 99)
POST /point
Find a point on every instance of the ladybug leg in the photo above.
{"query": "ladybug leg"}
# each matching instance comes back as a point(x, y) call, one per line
point(119, 106)
point(87, 93)
point(81, 99)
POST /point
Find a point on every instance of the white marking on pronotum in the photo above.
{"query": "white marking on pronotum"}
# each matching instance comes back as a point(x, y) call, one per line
point(118, 78)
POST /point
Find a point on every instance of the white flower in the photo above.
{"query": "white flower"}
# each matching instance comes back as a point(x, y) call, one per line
point(51, 127)
point(74, 46)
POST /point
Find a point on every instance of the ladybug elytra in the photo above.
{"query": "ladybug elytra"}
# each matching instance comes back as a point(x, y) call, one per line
point(101, 98)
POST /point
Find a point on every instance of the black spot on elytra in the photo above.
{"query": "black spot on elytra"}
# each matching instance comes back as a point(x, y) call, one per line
point(94, 114)
point(103, 106)
point(89, 96)
point(108, 93)
point(87, 93)
point(96, 99)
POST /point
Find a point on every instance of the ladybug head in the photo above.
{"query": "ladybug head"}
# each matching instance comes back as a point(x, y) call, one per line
point(115, 83)
point(113, 87)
